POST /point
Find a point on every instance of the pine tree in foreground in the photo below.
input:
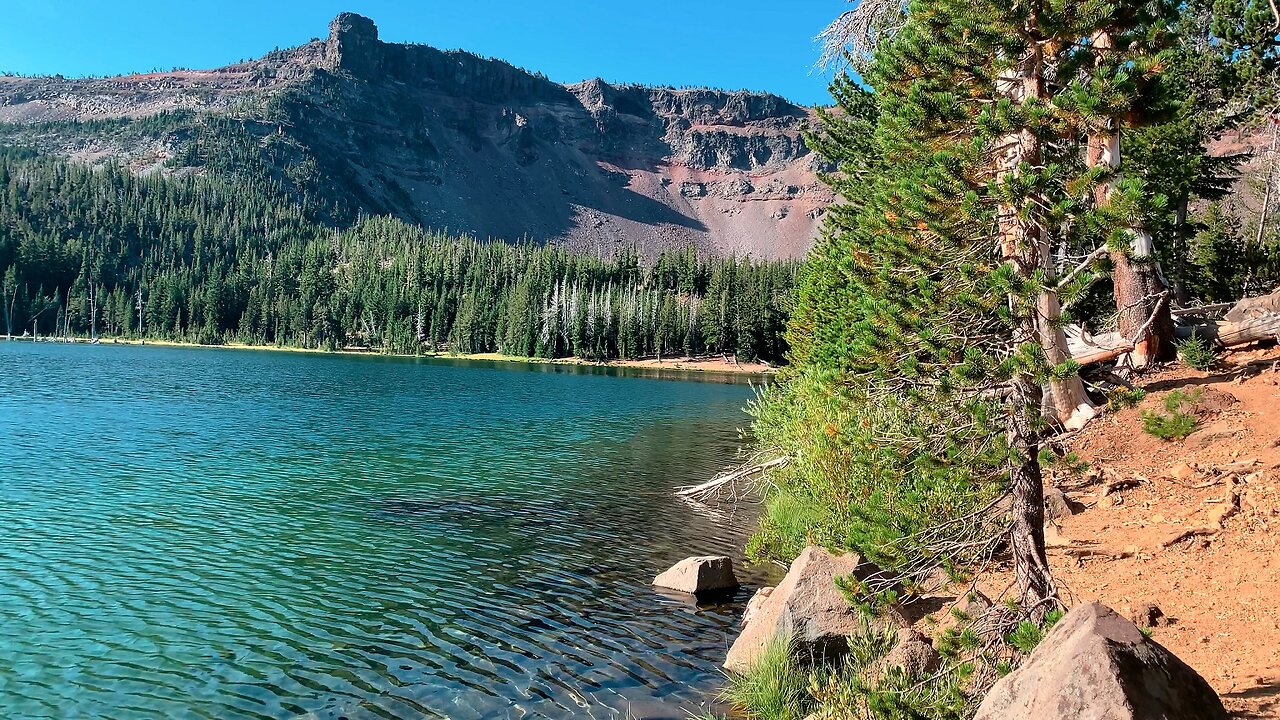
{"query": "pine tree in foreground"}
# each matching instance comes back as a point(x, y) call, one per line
point(929, 362)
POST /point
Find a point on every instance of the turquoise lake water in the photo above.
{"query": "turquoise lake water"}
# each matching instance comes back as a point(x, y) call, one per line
point(192, 533)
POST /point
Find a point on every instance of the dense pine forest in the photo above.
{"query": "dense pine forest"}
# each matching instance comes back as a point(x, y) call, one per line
point(100, 251)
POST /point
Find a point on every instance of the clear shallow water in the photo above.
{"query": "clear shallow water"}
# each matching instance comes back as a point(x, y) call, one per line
point(192, 533)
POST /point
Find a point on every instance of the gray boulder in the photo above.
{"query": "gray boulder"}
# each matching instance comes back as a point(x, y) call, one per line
point(698, 575)
point(1095, 665)
point(806, 607)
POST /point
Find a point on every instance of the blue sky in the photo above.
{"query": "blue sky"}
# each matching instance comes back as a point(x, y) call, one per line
point(762, 45)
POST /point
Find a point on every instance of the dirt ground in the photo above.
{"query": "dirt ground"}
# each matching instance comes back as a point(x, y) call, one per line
point(1220, 586)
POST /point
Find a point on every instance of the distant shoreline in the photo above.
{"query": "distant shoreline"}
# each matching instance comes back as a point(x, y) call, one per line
point(712, 364)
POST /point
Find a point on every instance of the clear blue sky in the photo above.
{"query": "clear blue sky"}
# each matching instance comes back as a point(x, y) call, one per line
point(762, 45)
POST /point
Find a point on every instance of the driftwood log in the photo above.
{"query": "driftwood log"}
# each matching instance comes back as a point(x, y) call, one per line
point(1249, 320)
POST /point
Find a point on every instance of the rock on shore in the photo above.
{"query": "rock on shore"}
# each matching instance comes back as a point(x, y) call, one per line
point(1095, 665)
point(807, 607)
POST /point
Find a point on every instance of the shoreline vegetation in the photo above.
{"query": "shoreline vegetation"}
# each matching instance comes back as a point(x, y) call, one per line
point(702, 364)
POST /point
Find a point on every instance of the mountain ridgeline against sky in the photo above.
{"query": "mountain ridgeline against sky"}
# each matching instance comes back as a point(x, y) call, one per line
point(446, 139)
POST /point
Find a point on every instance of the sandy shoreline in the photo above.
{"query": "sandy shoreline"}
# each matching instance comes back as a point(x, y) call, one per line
point(707, 364)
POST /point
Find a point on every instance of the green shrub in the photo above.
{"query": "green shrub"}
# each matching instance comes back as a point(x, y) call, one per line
point(863, 689)
point(1122, 398)
point(1177, 421)
point(1197, 352)
point(775, 688)
point(784, 529)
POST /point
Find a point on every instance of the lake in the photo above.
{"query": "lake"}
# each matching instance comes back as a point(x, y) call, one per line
point(207, 533)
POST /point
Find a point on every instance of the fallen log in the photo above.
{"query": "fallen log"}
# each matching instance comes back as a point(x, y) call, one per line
point(1089, 349)
point(1254, 308)
point(1214, 309)
point(1205, 531)
point(1231, 334)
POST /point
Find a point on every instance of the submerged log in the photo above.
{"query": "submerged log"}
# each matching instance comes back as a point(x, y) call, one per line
point(742, 473)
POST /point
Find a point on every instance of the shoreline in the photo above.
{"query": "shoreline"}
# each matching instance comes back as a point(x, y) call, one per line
point(711, 365)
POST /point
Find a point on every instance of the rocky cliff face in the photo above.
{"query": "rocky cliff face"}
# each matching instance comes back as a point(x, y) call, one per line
point(451, 140)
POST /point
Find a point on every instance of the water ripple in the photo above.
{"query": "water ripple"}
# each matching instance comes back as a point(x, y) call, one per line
point(212, 534)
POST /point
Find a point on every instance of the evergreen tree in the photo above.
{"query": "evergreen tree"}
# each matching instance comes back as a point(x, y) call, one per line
point(242, 260)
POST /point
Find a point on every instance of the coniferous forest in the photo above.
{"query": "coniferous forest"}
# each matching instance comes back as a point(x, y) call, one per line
point(213, 260)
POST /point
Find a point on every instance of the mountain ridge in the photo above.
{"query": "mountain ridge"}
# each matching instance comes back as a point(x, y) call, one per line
point(447, 139)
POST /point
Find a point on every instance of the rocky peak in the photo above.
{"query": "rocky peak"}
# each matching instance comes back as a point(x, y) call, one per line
point(352, 45)
point(446, 138)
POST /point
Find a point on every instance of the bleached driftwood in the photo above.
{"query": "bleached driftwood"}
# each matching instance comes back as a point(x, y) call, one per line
point(1249, 320)
point(1231, 334)
point(712, 486)
point(1254, 308)
point(1214, 309)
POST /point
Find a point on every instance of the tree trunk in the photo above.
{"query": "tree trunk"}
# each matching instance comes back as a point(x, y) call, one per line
point(1025, 246)
point(1181, 295)
point(1030, 562)
point(1139, 285)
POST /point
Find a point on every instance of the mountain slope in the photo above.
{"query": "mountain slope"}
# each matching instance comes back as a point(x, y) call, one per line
point(452, 140)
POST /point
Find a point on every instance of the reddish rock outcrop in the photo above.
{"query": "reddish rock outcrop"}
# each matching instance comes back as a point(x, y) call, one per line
point(447, 139)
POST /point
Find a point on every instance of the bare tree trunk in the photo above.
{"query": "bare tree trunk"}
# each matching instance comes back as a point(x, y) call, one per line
point(1139, 285)
point(1181, 295)
point(8, 312)
point(1267, 188)
point(93, 313)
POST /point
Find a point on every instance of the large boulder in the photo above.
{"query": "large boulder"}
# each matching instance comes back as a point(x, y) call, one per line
point(1095, 665)
point(755, 603)
point(806, 607)
point(699, 575)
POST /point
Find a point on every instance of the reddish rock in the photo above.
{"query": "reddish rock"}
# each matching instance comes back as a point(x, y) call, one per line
point(1148, 615)
point(914, 654)
point(755, 603)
